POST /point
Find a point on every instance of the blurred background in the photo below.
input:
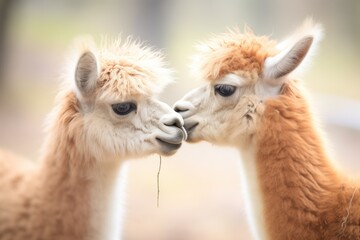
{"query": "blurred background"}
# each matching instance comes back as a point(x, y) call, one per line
point(200, 186)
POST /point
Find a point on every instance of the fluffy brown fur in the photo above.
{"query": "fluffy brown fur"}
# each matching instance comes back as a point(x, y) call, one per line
point(304, 196)
point(234, 52)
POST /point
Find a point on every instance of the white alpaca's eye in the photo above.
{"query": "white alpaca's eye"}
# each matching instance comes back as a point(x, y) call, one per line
point(123, 108)
point(225, 90)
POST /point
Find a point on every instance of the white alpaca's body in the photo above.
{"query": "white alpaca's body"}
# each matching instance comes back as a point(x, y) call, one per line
point(107, 114)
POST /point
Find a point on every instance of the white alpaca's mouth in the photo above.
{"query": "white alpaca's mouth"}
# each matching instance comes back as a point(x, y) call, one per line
point(168, 147)
point(170, 143)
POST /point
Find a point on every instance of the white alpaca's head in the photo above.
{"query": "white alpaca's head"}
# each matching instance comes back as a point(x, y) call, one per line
point(115, 91)
point(242, 71)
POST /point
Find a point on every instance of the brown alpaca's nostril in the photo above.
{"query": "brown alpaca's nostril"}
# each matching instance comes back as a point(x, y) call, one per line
point(180, 109)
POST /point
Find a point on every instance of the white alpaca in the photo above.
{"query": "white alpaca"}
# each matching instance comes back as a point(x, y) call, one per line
point(109, 114)
point(253, 104)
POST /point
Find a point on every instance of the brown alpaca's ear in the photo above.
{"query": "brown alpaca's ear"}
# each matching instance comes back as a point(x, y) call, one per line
point(287, 60)
point(294, 51)
point(86, 74)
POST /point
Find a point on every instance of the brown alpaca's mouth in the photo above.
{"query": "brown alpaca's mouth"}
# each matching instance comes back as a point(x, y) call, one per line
point(189, 127)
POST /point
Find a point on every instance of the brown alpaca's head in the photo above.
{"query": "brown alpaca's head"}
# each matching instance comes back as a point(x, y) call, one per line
point(115, 89)
point(242, 71)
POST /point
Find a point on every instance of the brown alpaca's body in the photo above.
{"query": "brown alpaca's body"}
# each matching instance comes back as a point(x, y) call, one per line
point(253, 103)
point(303, 196)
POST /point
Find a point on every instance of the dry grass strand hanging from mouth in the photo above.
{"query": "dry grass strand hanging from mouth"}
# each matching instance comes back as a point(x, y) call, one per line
point(158, 183)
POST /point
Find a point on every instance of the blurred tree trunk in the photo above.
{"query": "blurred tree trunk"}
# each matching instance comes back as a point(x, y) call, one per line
point(150, 21)
point(5, 11)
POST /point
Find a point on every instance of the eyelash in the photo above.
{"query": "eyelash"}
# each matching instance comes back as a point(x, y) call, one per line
point(225, 90)
point(124, 108)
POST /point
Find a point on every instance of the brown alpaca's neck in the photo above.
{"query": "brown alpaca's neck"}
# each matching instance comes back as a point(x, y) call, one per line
point(302, 196)
point(79, 188)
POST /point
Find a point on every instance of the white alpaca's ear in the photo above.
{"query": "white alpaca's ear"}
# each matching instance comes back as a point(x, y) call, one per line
point(86, 74)
point(287, 60)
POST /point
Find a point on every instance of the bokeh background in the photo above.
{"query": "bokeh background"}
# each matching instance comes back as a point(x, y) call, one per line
point(201, 195)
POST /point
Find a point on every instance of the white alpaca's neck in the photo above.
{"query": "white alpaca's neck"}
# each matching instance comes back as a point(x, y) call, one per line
point(84, 184)
point(252, 193)
point(107, 198)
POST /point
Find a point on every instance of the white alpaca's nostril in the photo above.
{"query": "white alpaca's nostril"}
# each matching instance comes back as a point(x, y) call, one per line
point(174, 121)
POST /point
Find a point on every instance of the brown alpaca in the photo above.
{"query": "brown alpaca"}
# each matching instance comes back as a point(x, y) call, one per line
point(251, 102)
point(107, 114)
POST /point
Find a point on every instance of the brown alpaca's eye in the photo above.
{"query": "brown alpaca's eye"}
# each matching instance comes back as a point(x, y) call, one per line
point(123, 108)
point(225, 90)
